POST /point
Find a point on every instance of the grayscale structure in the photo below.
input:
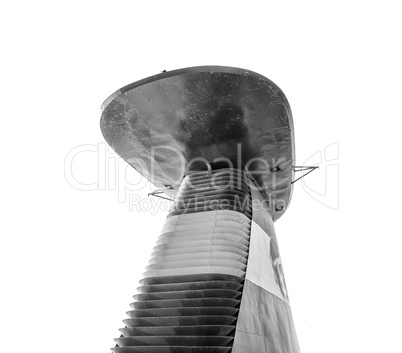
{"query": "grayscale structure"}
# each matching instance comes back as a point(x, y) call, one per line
point(219, 141)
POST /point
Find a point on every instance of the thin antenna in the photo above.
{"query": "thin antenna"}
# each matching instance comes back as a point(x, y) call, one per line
point(302, 169)
point(157, 193)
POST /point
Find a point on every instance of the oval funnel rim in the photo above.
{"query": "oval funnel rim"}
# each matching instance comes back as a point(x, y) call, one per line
point(282, 133)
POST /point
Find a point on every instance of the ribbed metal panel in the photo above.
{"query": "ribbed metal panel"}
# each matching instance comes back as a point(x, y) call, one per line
point(172, 349)
point(189, 286)
point(189, 298)
point(174, 340)
point(191, 303)
point(207, 330)
point(203, 310)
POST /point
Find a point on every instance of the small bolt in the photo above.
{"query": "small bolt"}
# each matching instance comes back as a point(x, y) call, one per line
point(279, 208)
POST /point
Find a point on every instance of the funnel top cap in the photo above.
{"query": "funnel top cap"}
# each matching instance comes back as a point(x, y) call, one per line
point(178, 122)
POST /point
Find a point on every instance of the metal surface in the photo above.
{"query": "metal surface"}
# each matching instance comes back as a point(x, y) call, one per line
point(189, 300)
point(265, 322)
point(171, 124)
point(230, 297)
point(219, 141)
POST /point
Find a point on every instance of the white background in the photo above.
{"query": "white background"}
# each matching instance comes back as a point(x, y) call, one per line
point(70, 259)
